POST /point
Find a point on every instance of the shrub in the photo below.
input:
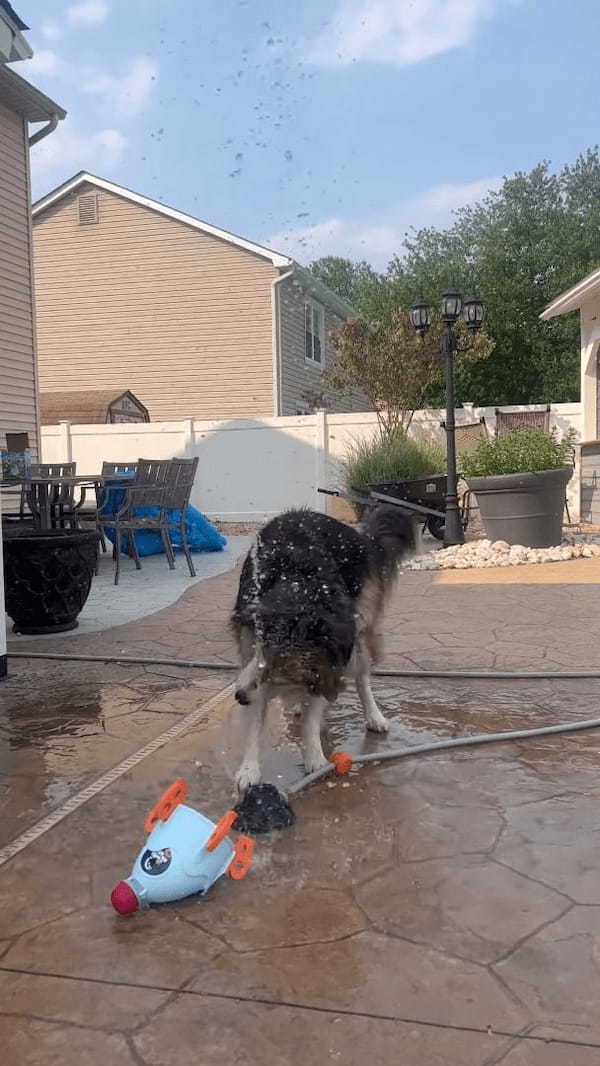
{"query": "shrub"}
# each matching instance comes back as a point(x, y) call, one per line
point(519, 452)
point(392, 457)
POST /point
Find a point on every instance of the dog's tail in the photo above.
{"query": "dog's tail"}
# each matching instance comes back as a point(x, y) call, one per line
point(392, 535)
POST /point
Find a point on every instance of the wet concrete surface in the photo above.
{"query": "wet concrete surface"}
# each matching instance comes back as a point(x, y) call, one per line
point(443, 909)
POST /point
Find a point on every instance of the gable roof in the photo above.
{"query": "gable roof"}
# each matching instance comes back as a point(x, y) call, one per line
point(13, 45)
point(20, 96)
point(84, 178)
point(573, 298)
point(12, 14)
point(282, 262)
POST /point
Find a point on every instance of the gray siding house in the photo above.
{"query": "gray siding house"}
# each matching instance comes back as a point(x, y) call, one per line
point(199, 322)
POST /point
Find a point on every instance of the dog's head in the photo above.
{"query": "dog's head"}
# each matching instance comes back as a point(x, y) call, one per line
point(393, 535)
point(307, 630)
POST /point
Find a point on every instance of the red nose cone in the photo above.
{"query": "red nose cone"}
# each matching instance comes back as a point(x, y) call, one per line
point(123, 898)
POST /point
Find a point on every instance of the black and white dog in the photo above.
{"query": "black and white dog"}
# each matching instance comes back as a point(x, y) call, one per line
point(311, 595)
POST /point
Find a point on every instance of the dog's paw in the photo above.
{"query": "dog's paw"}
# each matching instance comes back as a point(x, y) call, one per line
point(247, 775)
point(314, 761)
point(376, 723)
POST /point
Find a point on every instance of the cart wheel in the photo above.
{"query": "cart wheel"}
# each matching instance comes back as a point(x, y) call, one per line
point(436, 527)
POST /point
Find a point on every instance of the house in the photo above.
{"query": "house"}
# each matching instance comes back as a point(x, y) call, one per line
point(199, 322)
point(91, 407)
point(20, 105)
point(585, 298)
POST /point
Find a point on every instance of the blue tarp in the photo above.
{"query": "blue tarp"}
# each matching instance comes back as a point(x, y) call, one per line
point(201, 536)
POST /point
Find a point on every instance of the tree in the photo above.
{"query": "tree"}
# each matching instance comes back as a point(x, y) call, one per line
point(342, 275)
point(393, 366)
point(366, 290)
point(517, 249)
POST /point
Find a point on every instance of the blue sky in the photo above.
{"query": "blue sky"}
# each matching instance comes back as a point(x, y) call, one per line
point(320, 127)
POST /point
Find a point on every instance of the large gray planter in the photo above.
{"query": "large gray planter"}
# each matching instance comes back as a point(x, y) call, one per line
point(523, 508)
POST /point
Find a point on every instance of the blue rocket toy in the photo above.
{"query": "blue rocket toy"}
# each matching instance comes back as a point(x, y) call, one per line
point(185, 853)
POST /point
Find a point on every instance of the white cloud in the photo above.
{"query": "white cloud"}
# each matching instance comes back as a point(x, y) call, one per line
point(51, 31)
point(124, 96)
point(398, 31)
point(90, 13)
point(379, 241)
point(44, 61)
point(68, 150)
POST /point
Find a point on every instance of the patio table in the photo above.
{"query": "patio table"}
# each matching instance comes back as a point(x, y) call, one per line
point(41, 490)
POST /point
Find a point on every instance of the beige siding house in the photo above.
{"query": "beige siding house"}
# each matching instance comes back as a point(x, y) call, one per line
point(20, 104)
point(195, 321)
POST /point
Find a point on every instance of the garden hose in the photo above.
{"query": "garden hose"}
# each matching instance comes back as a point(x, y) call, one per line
point(341, 762)
point(199, 664)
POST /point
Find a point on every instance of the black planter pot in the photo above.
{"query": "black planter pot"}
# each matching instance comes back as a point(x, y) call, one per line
point(523, 509)
point(47, 576)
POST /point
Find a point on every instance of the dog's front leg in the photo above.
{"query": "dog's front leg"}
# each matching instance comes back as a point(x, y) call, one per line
point(254, 711)
point(312, 720)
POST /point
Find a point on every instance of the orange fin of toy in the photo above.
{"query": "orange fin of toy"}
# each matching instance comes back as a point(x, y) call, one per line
point(170, 799)
point(221, 830)
point(242, 858)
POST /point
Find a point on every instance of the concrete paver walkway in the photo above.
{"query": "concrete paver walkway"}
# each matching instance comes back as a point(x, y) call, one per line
point(438, 911)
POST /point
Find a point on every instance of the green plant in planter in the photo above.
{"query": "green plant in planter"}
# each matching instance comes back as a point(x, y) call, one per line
point(391, 457)
point(518, 452)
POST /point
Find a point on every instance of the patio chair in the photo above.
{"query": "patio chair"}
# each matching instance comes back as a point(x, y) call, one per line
point(468, 434)
point(65, 509)
point(179, 484)
point(102, 492)
point(506, 421)
point(165, 484)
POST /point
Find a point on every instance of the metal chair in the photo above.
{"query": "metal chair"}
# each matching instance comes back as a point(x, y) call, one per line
point(102, 492)
point(162, 483)
point(468, 434)
point(178, 489)
point(60, 497)
point(506, 421)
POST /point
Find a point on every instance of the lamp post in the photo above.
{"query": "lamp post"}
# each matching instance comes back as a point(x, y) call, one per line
point(472, 312)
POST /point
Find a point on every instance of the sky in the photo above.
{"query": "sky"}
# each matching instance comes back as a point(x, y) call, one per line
point(316, 127)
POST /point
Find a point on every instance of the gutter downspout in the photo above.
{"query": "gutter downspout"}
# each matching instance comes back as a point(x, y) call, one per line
point(276, 340)
point(45, 130)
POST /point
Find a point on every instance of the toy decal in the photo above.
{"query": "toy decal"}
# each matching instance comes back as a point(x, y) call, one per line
point(156, 862)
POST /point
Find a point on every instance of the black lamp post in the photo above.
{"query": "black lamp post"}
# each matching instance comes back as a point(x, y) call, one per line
point(472, 312)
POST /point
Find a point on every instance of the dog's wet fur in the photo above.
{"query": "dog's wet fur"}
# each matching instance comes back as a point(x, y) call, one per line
point(311, 596)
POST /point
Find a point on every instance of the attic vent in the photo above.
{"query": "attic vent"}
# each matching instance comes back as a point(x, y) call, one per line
point(88, 210)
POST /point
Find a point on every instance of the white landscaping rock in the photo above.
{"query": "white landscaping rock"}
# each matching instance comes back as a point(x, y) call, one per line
point(483, 553)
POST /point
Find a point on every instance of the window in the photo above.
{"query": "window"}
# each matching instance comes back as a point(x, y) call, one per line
point(314, 330)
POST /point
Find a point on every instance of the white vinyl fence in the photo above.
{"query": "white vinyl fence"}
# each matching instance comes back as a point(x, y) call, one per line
point(250, 470)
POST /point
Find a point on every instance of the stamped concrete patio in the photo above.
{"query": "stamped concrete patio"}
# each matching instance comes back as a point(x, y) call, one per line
point(438, 911)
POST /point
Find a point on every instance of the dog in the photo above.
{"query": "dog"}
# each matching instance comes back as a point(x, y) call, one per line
point(311, 595)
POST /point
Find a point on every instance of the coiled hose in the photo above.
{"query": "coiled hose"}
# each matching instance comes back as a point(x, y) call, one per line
point(390, 753)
